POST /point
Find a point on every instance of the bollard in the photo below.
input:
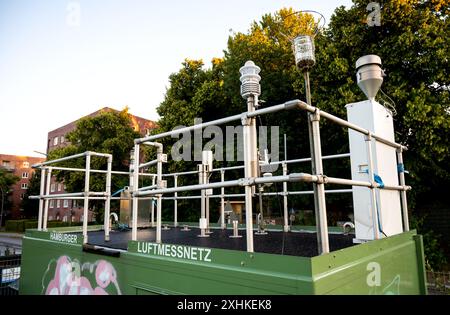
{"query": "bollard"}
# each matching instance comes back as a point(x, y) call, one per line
point(185, 228)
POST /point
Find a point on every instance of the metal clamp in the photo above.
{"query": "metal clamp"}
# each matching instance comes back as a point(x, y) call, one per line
point(245, 120)
point(316, 115)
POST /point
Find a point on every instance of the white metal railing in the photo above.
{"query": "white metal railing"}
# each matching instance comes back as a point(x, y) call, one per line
point(249, 181)
point(86, 195)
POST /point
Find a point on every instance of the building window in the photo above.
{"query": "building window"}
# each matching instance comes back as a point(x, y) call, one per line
point(24, 175)
point(82, 218)
point(24, 186)
point(65, 187)
point(25, 164)
point(58, 203)
point(59, 187)
point(52, 204)
point(66, 203)
point(61, 140)
point(22, 196)
point(55, 141)
point(52, 187)
point(75, 203)
point(65, 218)
point(5, 164)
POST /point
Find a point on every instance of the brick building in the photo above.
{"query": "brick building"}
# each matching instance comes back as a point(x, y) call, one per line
point(72, 210)
point(21, 167)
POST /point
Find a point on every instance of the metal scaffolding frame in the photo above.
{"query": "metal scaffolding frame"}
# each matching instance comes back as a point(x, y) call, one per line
point(250, 180)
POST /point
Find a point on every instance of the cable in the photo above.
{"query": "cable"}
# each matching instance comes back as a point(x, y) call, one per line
point(389, 104)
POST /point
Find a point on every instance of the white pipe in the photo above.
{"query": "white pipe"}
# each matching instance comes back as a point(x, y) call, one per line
point(175, 203)
point(248, 174)
point(322, 226)
point(135, 190)
point(154, 162)
point(86, 199)
point(98, 171)
point(305, 192)
point(201, 179)
point(403, 192)
point(41, 201)
point(148, 188)
point(285, 201)
point(60, 160)
point(152, 205)
point(222, 201)
point(159, 196)
point(108, 199)
point(373, 198)
point(47, 191)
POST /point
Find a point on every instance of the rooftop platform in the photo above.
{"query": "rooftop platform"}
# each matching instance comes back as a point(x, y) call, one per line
point(295, 243)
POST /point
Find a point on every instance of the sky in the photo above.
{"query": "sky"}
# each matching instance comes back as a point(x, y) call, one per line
point(63, 59)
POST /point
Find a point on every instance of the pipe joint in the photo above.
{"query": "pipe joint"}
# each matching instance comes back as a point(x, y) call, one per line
point(315, 116)
point(245, 121)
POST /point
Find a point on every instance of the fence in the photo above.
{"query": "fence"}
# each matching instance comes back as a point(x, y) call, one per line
point(438, 283)
point(9, 274)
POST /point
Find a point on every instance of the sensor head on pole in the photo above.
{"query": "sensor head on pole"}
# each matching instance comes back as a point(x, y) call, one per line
point(250, 79)
point(304, 51)
point(369, 75)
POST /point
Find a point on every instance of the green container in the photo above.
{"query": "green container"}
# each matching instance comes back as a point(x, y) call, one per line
point(394, 265)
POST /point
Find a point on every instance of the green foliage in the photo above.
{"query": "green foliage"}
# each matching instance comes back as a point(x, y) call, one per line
point(31, 206)
point(15, 226)
point(413, 43)
point(7, 179)
point(19, 226)
point(435, 257)
point(108, 132)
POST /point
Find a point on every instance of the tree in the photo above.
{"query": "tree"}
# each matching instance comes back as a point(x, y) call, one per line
point(31, 206)
point(109, 132)
point(413, 43)
point(7, 179)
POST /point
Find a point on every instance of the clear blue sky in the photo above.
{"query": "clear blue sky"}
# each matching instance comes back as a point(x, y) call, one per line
point(54, 70)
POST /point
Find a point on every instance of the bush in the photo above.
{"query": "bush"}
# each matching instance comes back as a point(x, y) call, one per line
point(435, 258)
point(31, 225)
point(15, 226)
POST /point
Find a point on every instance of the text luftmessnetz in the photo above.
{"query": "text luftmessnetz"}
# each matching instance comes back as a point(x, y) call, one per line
point(175, 251)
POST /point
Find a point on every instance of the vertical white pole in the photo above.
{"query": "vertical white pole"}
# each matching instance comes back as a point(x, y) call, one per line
point(322, 225)
point(86, 197)
point(373, 196)
point(152, 205)
point(201, 178)
point(206, 181)
point(135, 190)
point(108, 198)
point(403, 192)
point(41, 201)
point(222, 201)
point(175, 203)
point(159, 204)
point(311, 147)
point(47, 192)
point(247, 142)
point(285, 201)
